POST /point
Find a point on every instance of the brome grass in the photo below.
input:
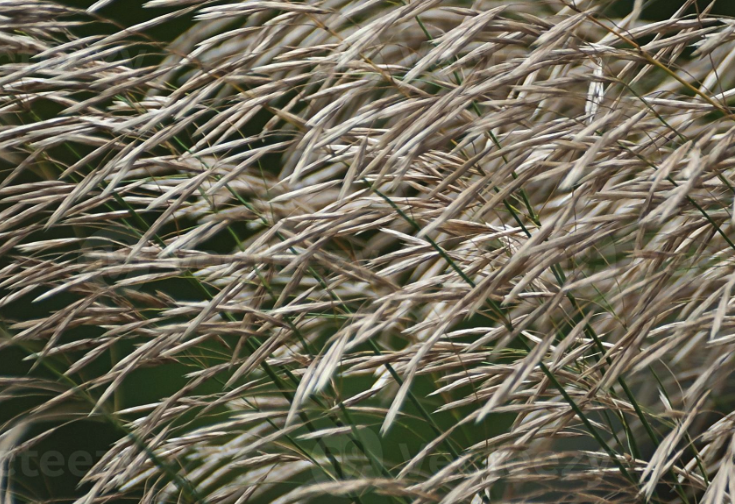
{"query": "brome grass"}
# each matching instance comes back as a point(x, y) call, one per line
point(364, 251)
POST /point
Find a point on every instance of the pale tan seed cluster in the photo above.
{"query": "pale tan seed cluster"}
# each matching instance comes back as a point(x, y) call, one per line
point(314, 212)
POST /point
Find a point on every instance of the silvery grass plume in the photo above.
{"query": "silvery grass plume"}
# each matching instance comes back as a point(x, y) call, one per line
point(411, 252)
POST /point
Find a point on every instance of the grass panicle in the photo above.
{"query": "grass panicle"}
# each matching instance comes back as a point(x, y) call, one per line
point(407, 252)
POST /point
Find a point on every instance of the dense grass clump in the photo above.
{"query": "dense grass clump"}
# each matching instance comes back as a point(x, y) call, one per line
point(361, 251)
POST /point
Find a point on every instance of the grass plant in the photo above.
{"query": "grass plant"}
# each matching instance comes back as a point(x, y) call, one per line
point(357, 251)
